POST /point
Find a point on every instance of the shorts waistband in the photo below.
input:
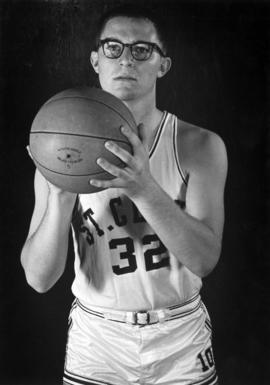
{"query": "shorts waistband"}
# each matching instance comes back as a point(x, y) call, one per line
point(143, 318)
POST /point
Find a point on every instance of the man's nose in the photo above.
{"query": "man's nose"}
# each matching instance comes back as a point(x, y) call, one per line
point(126, 58)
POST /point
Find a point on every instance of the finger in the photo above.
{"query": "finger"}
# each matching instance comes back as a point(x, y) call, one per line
point(105, 183)
point(99, 183)
point(109, 167)
point(131, 135)
point(119, 151)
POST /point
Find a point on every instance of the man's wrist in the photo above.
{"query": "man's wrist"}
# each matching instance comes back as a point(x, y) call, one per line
point(148, 195)
point(62, 200)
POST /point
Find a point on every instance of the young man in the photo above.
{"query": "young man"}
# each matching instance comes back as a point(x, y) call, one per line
point(143, 244)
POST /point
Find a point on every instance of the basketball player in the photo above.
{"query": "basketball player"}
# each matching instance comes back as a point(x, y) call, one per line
point(142, 245)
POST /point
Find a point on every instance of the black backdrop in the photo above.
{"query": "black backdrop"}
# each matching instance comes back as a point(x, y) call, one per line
point(219, 80)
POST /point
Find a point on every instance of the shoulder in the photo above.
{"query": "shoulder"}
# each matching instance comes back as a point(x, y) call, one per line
point(199, 148)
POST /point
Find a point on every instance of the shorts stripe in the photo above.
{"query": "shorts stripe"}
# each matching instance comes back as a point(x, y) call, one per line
point(185, 303)
point(211, 380)
point(184, 314)
point(208, 325)
point(74, 304)
point(90, 311)
point(73, 379)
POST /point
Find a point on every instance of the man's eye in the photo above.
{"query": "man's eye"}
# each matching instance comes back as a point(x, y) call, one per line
point(141, 49)
point(113, 47)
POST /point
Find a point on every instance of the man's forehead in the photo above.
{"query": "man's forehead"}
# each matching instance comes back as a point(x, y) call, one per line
point(130, 29)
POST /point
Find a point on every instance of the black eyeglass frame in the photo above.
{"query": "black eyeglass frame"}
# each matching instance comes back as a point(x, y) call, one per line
point(153, 46)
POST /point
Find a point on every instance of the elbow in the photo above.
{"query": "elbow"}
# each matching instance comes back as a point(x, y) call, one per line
point(38, 285)
point(206, 270)
point(37, 277)
point(35, 282)
point(210, 261)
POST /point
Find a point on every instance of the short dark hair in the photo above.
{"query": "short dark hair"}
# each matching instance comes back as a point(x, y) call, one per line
point(136, 12)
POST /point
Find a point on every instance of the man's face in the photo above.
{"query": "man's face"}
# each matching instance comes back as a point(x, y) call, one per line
point(126, 77)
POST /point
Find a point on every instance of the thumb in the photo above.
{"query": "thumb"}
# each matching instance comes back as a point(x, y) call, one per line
point(142, 135)
point(29, 152)
point(141, 132)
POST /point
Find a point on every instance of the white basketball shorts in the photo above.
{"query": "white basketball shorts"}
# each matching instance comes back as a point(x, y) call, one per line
point(171, 346)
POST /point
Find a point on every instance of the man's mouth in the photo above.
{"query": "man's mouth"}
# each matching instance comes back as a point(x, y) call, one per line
point(125, 77)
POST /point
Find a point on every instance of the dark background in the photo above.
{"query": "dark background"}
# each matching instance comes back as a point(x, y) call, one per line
point(220, 81)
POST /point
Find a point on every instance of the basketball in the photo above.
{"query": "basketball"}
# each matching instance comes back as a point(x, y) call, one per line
point(68, 135)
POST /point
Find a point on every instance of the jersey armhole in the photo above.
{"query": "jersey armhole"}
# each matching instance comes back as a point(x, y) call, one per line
point(175, 150)
point(75, 211)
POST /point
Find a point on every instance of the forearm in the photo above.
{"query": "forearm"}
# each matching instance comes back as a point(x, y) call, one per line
point(191, 241)
point(45, 251)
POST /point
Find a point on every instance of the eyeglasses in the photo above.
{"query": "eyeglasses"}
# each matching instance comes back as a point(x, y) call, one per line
point(140, 50)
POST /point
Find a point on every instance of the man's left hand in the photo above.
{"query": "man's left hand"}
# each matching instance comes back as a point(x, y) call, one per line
point(135, 176)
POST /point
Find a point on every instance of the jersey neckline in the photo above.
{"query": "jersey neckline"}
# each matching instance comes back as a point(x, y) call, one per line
point(158, 133)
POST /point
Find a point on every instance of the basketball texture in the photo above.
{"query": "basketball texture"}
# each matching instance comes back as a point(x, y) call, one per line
point(68, 135)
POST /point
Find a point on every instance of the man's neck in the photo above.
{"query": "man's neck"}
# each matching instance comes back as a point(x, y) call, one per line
point(149, 115)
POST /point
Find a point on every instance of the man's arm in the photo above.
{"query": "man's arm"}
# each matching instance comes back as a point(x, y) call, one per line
point(44, 253)
point(194, 235)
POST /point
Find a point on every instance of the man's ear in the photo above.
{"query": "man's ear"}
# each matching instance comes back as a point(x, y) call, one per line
point(94, 60)
point(165, 66)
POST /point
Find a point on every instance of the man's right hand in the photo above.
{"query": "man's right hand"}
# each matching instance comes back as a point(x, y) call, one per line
point(53, 189)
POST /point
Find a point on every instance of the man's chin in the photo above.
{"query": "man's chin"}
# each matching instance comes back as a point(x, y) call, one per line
point(123, 94)
point(126, 97)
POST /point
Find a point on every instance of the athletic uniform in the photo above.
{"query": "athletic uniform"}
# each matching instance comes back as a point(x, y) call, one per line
point(138, 317)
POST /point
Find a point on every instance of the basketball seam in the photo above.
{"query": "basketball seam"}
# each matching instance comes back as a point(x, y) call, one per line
point(81, 135)
point(93, 100)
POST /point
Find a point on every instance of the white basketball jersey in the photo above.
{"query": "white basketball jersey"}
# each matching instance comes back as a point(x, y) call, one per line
point(120, 263)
